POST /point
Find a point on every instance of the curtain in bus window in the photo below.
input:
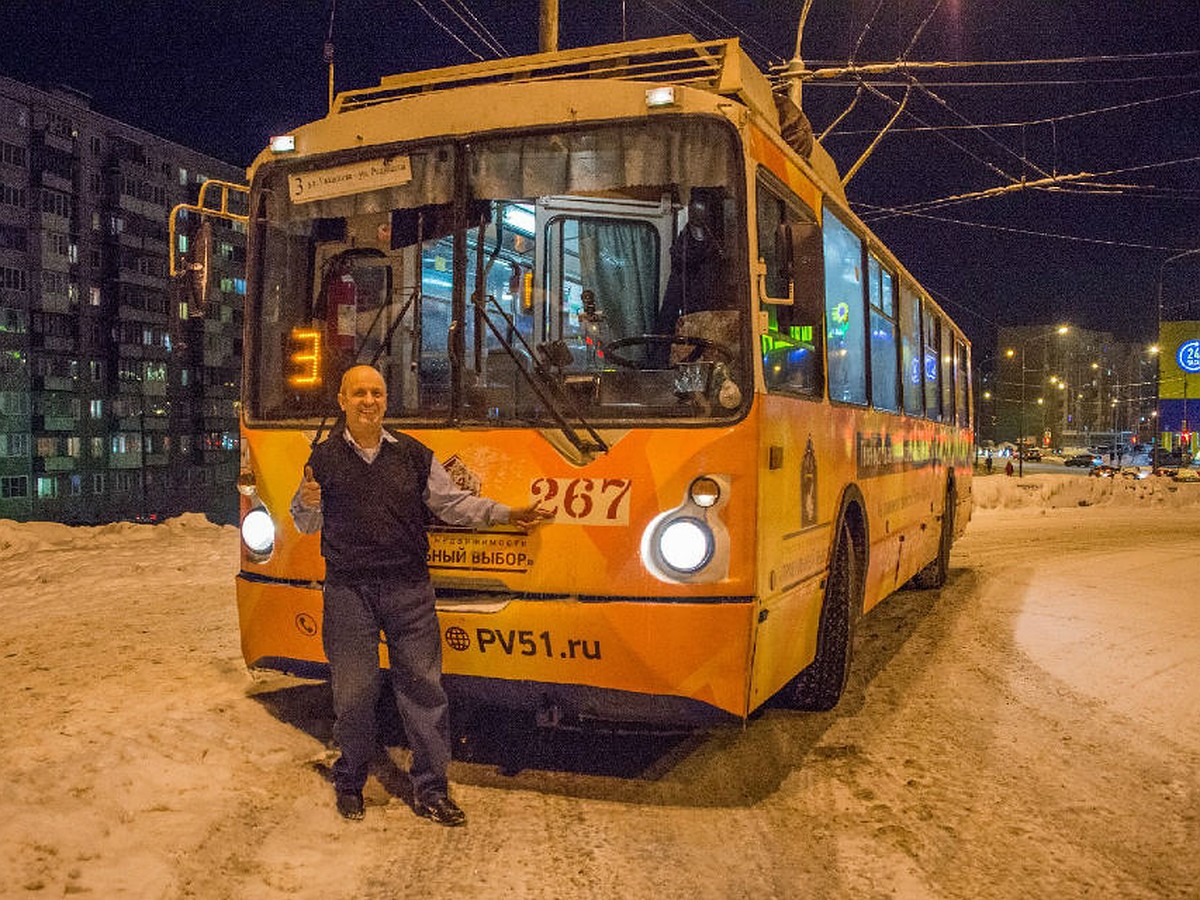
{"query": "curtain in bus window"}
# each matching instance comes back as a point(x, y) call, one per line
point(885, 392)
point(910, 351)
point(682, 152)
point(933, 391)
point(845, 332)
point(618, 262)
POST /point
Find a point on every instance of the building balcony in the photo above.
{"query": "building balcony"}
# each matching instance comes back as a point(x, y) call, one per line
point(55, 383)
point(156, 459)
point(57, 423)
point(125, 460)
point(54, 342)
point(55, 464)
point(56, 303)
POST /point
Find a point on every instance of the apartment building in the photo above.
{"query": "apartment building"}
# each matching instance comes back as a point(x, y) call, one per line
point(118, 391)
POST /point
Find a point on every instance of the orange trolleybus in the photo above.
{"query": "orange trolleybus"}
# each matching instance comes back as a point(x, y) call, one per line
point(603, 280)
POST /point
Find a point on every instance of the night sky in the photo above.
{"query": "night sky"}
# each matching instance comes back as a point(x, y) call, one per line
point(222, 77)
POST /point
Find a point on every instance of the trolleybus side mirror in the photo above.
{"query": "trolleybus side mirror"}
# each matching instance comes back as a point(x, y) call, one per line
point(799, 249)
point(199, 262)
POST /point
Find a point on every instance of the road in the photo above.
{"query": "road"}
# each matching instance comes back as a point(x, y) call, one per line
point(1028, 730)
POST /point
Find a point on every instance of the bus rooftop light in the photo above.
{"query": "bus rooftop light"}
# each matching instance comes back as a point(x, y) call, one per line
point(659, 97)
point(283, 143)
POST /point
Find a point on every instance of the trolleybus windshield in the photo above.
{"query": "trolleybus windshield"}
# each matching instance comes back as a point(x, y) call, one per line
point(607, 256)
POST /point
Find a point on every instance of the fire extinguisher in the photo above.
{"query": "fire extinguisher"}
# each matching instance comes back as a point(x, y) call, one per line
point(342, 306)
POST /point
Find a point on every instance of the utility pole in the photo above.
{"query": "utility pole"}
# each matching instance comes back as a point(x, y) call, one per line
point(548, 27)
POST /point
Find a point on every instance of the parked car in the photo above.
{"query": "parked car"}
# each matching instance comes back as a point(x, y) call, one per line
point(1134, 472)
point(1082, 459)
point(1103, 471)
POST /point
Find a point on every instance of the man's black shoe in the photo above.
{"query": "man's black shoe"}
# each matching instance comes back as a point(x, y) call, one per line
point(350, 804)
point(442, 810)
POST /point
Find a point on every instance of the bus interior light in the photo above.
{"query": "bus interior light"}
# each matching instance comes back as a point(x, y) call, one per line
point(520, 218)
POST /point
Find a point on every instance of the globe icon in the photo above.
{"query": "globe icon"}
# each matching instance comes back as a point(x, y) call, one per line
point(457, 638)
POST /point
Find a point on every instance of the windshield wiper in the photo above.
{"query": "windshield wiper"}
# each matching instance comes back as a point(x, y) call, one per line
point(545, 386)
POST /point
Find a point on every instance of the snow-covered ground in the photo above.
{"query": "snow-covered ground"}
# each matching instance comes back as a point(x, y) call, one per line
point(1030, 730)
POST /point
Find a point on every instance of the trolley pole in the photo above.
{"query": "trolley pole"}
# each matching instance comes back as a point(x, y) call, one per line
point(548, 27)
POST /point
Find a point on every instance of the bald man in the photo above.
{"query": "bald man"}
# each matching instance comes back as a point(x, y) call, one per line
point(370, 493)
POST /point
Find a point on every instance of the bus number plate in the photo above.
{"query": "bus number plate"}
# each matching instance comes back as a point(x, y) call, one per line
point(584, 501)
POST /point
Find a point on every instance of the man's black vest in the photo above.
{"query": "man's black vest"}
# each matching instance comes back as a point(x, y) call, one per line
point(373, 515)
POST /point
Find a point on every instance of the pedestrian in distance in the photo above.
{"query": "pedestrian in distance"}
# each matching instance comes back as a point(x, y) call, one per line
point(1008, 468)
point(987, 464)
point(370, 493)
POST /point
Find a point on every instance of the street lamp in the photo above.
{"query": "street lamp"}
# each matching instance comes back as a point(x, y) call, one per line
point(1010, 353)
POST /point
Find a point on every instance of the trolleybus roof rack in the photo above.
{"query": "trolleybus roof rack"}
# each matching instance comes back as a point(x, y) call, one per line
point(718, 66)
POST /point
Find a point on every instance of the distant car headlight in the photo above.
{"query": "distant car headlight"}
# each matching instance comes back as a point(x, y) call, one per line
point(258, 532)
point(685, 544)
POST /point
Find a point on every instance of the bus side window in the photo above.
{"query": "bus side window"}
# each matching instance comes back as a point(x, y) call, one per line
point(949, 411)
point(933, 390)
point(845, 313)
point(910, 351)
point(881, 286)
point(791, 347)
point(963, 381)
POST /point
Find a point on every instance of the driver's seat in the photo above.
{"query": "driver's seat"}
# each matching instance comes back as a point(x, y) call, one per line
point(721, 326)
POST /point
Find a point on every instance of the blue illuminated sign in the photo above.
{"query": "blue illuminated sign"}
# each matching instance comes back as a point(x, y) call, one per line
point(1188, 356)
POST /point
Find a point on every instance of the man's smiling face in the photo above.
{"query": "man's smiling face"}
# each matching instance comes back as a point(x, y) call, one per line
point(363, 398)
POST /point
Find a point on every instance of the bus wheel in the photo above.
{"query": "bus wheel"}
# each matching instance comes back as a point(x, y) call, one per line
point(820, 685)
point(934, 574)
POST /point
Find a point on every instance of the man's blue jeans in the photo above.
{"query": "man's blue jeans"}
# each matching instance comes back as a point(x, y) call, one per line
point(355, 614)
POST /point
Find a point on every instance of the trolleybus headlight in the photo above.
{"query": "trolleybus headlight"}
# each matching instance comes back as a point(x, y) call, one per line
point(258, 532)
point(704, 492)
point(685, 544)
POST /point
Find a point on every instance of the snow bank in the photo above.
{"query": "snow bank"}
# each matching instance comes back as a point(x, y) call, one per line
point(1058, 491)
point(22, 537)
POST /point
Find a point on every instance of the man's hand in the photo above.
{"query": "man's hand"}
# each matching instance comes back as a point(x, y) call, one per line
point(310, 490)
point(529, 516)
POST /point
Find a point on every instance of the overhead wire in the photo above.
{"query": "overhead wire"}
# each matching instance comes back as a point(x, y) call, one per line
point(858, 93)
point(1057, 182)
point(1031, 233)
point(450, 31)
point(476, 27)
point(1044, 120)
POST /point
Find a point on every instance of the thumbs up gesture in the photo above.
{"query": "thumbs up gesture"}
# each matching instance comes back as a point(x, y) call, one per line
point(310, 490)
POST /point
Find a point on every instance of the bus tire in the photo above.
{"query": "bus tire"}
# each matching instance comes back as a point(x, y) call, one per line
point(934, 575)
point(819, 686)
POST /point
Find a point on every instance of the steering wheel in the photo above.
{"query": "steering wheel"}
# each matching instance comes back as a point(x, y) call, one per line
point(699, 345)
